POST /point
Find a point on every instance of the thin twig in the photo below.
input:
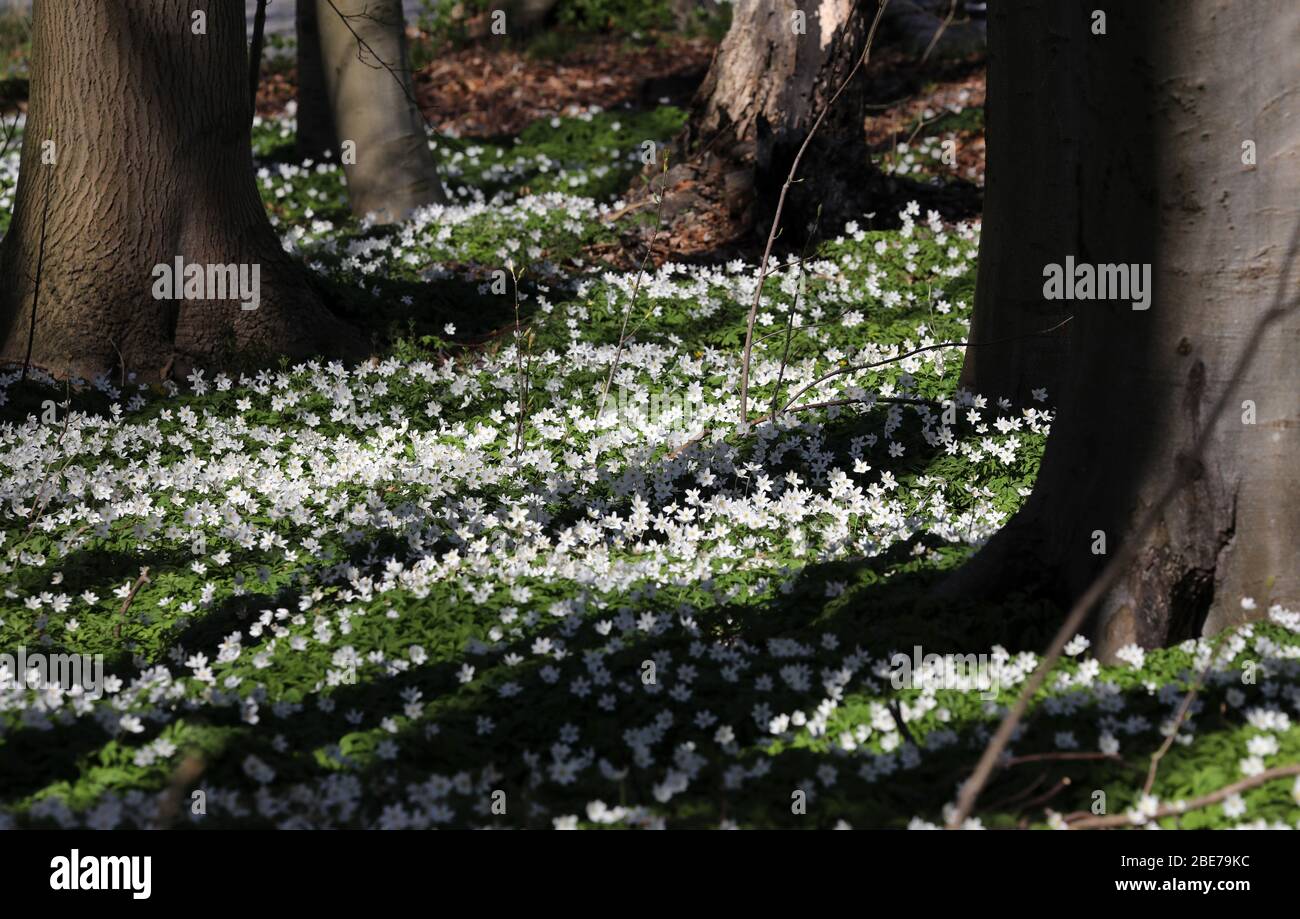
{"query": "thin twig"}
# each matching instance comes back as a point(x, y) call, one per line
point(938, 33)
point(1003, 803)
point(1183, 709)
point(854, 368)
point(780, 206)
point(1182, 807)
point(363, 45)
point(1046, 796)
point(126, 602)
point(519, 364)
point(58, 442)
point(830, 403)
point(794, 308)
point(790, 408)
point(896, 709)
point(636, 288)
point(40, 270)
point(121, 362)
point(1065, 756)
point(803, 328)
point(837, 403)
point(11, 131)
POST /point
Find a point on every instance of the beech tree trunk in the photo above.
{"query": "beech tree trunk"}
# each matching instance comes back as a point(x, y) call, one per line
point(363, 46)
point(315, 118)
point(137, 151)
point(773, 74)
point(1031, 180)
point(1152, 117)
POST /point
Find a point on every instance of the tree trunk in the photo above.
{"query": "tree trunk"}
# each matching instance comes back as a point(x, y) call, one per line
point(1153, 115)
point(147, 124)
point(315, 119)
point(773, 74)
point(1033, 161)
point(363, 45)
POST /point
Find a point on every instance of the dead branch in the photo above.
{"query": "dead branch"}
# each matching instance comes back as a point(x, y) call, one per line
point(1182, 807)
point(126, 602)
point(780, 206)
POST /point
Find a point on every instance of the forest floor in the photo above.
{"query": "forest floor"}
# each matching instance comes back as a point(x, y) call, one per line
point(457, 585)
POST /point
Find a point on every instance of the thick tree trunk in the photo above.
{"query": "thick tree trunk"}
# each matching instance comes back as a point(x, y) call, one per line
point(147, 127)
point(1032, 180)
point(315, 119)
point(363, 45)
point(1154, 118)
point(773, 74)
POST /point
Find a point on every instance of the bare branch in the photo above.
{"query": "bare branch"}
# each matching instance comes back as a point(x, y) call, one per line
point(1064, 756)
point(363, 45)
point(636, 288)
point(1181, 716)
point(126, 602)
point(40, 267)
point(789, 326)
point(780, 206)
point(938, 33)
point(11, 131)
point(840, 371)
point(1182, 807)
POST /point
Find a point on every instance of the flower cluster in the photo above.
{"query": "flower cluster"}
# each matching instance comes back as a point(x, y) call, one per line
point(444, 588)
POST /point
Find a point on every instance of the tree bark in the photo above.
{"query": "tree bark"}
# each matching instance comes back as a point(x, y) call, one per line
point(148, 125)
point(363, 46)
point(315, 119)
point(765, 89)
point(1153, 115)
point(1031, 180)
